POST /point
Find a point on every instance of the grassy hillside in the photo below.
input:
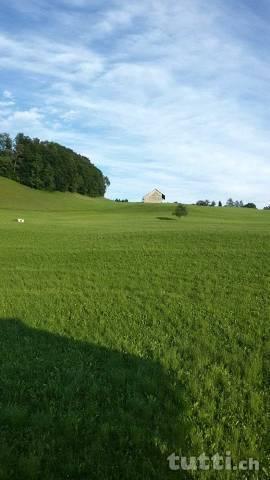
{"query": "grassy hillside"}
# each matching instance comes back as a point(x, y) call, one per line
point(127, 335)
point(18, 200)
point(15, 196)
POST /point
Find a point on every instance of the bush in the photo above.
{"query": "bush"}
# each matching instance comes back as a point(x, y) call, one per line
point(250, 205)
point(203, 203)
point(180, 211)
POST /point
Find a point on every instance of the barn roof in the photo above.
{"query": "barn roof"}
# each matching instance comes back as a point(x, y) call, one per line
point(155, 190)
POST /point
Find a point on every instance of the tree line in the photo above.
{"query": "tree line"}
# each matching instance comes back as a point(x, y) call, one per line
point(49, 166)
point(230, 203)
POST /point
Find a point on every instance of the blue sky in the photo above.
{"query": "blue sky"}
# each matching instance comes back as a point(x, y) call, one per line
point(158, 93)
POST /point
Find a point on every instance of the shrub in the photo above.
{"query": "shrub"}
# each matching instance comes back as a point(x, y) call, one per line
point(250, 205)
point(203, 203)
point(180, 211)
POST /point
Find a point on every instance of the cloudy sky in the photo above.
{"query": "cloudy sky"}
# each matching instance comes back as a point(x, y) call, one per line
point(172, 94)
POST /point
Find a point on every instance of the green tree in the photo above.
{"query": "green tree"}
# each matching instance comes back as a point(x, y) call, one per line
point(35, 178)
point(6, 156)
point(180, 211)
point(250, 205)
point(230, 202)
point(6, 166)
point(49, 166)
point(5, 143)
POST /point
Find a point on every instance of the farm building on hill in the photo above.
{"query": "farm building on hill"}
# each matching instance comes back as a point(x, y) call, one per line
point(154, 197)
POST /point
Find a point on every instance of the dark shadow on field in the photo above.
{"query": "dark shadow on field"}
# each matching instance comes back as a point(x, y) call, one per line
point(73, 410)
point(166, 218)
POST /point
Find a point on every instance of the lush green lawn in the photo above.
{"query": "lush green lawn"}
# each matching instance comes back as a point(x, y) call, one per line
point(127, 335)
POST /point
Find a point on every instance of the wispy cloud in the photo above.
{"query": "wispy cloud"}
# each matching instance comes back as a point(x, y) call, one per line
point(48, 59)
point(7, 94)
point(158, 93)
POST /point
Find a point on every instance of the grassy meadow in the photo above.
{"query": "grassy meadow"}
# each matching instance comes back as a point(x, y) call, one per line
point(127, 334)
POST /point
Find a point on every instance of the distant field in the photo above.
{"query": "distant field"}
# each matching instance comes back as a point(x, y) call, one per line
point(127, 335)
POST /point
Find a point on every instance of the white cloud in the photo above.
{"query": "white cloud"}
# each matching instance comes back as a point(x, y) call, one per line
point(8, 94)
point(41, 57)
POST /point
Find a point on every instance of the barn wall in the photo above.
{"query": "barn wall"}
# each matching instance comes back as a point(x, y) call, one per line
point(154, 197)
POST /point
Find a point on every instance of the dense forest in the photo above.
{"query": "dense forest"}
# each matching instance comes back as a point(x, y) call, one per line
point(49, 166)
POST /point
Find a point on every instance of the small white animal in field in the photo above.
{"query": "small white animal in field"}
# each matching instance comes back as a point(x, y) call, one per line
point(20, 220)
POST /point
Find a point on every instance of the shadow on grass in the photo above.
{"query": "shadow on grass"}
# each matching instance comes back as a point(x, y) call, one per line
point(73, 410)
point(166, 218)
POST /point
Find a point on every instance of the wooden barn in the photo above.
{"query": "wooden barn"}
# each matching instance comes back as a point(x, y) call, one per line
point(154, 197)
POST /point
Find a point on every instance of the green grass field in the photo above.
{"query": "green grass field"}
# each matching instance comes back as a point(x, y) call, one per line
point(127, 334)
